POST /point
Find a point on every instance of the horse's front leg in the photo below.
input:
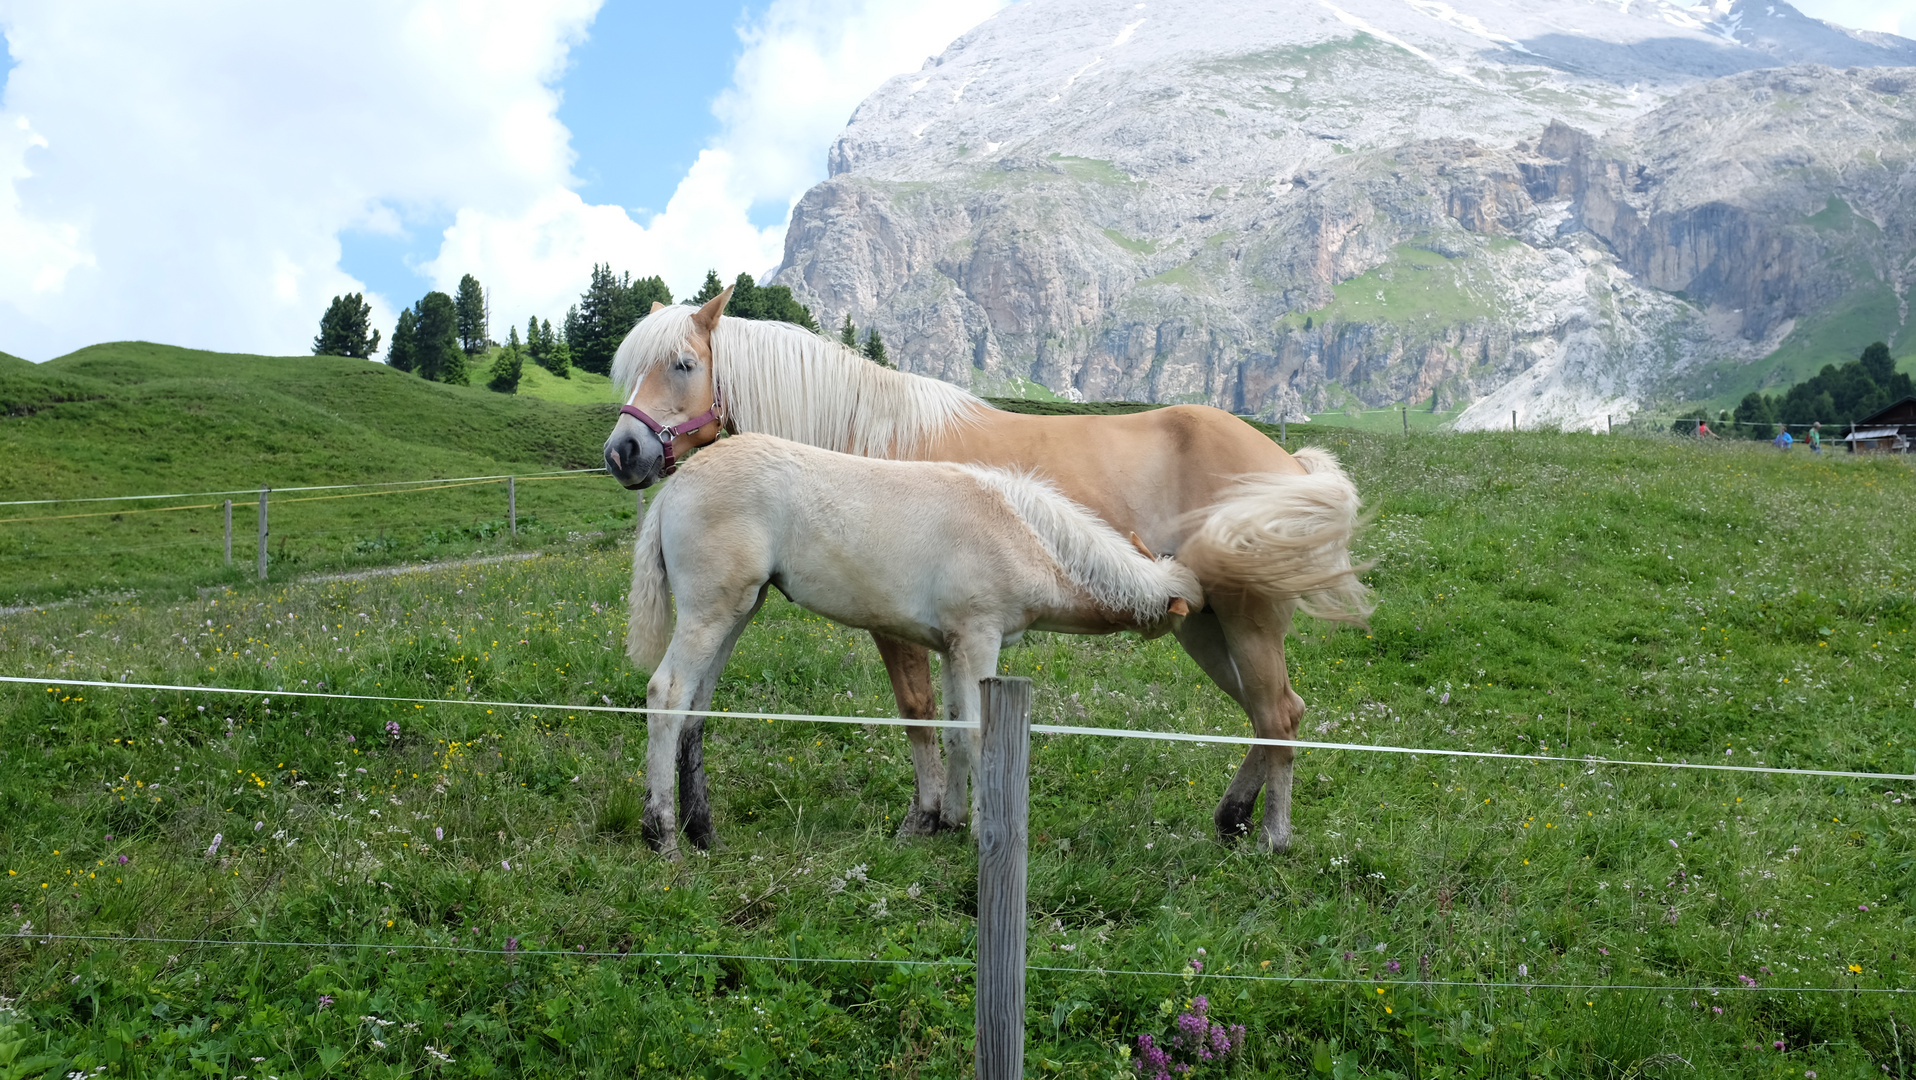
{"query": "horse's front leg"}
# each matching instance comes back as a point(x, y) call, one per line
point(970, 655)
point(910, 669)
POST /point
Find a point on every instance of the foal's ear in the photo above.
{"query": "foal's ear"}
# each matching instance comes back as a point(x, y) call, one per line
point(656, 306)
point(706, 318)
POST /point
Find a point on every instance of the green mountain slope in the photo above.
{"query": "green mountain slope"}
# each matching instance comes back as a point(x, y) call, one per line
point(138, 418)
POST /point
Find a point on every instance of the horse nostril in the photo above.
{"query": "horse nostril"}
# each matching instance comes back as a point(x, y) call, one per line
point(613, 457)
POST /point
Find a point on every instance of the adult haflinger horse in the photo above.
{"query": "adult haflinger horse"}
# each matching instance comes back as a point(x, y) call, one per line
point(956, 558)
point(1279, 526)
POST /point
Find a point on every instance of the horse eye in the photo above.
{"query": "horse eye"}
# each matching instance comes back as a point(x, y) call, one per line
point(683, 363)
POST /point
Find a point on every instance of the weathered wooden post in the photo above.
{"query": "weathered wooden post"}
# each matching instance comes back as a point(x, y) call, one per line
point(1283, 434)
point(1004, 768)
point(229, 532)
point(512, 505)
point(1513, 419)
point(638, 512)
point(1406, 419)
point(262, 532)
point(1607, 430)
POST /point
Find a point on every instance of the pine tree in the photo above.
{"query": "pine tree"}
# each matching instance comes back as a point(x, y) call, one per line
point(558, 358)
point(507, 366)
point(403, 352)
point(712, 287)
point(875, 350)
point(648, 291)
point(470, 306)
point(436, 351)
point(848, 333)
point(1877, 364)
point(346, 329)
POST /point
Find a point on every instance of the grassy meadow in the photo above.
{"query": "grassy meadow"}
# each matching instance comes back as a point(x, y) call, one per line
point(136, 418)
point(469, 866)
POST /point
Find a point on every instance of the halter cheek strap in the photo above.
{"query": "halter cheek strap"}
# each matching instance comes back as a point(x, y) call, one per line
point(666, 435)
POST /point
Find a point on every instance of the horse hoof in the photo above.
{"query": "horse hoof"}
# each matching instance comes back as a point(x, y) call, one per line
point(1276, 845)
point(918, 823)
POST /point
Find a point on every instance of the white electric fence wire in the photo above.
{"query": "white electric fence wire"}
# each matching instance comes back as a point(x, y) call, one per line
point(958, 961)
point(895, 721)
point(310, 487)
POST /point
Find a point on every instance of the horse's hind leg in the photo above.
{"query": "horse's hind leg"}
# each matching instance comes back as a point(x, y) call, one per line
point(910, 669)
point(674, 750)
point(1240, 645)
point(695, 803)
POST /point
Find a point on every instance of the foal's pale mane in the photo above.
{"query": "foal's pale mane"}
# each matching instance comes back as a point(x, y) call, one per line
point(1091, 553)
point(784, 380)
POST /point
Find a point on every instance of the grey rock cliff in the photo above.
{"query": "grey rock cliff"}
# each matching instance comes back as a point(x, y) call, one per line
point(1566, 209)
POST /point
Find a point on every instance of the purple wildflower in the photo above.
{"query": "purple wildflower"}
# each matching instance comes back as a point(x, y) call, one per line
point(438, 832)
point(1197, 965)
point(1778, 1044)
point(392, 728)
point(109, 838)
point(123, 860)
point(1746, 981)
point(214, 848)
point(325, 1001)
point(1393, 966)
point(512, 945)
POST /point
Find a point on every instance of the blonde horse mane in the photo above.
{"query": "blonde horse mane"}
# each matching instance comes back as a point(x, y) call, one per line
point(1091, 553)
point(784, 380)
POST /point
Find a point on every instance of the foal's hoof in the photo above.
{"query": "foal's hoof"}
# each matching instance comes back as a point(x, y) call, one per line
point(1276, 844)
point(918, 823)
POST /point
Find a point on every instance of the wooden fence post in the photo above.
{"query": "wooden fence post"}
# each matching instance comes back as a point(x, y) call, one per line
point(1004, 767)
point(1513, 419)
point(1406, 419)
point(512, 505)
point(229, 532)
point(1283, 435)
point(262, 532)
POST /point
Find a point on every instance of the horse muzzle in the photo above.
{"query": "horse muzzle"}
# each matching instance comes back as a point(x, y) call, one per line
point(634, 460)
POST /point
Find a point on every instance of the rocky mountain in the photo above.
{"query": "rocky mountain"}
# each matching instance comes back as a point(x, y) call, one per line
point(1564, 208)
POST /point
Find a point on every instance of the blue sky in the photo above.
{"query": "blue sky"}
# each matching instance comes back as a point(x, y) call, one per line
point(637, 99)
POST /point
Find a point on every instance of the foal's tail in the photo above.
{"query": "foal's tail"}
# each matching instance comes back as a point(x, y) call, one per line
point(650, 630)
point(1285, 538)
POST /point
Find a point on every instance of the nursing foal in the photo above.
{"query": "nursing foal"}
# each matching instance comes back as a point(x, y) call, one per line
point(956, 558)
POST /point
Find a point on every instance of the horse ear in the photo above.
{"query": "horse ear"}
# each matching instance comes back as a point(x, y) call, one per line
point(656, 306)
point(707, 317)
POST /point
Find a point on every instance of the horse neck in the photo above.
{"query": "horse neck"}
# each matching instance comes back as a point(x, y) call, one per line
point(796, 385)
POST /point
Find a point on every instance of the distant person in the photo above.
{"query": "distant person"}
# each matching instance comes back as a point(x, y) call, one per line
point(1703, 429)
point(1783, 440)
point(1816, 437)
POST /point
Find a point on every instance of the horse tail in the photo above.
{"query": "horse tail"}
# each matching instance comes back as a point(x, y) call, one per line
point(1285, 538)
point(650, 630)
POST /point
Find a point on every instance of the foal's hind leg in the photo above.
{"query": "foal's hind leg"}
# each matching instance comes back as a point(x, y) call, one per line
point(685, 679)
point(695, 804)
point(910, 669)
point(970, 654)
point(1240, 645)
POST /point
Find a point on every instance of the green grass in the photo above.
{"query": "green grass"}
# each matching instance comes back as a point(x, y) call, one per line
point(1543, 593)
point(135, 418)
point(578, 388)
point(1136, 247)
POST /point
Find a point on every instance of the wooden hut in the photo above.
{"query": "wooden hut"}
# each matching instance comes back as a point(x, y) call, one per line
point(1890, 431)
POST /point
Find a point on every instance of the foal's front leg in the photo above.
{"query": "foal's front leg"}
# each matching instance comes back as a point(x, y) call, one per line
point(970, 655)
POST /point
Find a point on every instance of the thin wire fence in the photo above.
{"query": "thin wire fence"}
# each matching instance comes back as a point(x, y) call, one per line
point(898, 721)
point(308, 487)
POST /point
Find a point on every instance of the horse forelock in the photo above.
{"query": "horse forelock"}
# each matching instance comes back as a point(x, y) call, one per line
point(784, 380)
point(1089, 552)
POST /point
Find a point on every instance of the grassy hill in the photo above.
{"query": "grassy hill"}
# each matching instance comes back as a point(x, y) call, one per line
point(579, 388)
point(139, 418)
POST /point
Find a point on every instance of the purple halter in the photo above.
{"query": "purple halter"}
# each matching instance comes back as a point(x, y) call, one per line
point(685, 427)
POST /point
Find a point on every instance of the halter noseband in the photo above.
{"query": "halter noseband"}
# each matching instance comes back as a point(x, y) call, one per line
point(685, 427)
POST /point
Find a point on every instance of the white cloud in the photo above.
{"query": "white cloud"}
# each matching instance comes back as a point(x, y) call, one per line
point(184, 177)
point(806, 65)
